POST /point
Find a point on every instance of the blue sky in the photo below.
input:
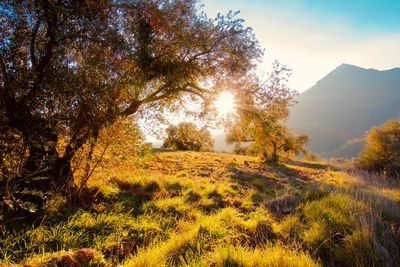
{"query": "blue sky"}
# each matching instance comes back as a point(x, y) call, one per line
point(366, 15)
point(370, 15)
point(313, 37)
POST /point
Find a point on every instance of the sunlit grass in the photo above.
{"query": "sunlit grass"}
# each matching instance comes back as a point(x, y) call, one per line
point(202, 209)
point(267, 256)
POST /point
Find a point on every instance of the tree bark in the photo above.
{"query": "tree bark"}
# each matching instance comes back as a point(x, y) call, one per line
point(275, 156)
point(43, 170)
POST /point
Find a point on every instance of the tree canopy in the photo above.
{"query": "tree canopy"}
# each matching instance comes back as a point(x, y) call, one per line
point(259, 121)
point(70, 68)
point(187, 136)
point(381, 152)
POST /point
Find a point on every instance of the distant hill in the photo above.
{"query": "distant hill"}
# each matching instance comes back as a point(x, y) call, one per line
point(219, 141)
point(338, 110)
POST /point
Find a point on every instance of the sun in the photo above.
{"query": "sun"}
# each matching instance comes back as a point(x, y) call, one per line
point(225, 103)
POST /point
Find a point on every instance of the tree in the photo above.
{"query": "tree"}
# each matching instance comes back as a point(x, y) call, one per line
point(381, 152)
point(186, 136)
point(276, 141)
point(70, 68)
point(260, 116)
point(268, 138)
point(122, 139)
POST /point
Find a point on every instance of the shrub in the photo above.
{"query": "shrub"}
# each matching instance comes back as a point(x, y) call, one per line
point(381, 152)
point(187, 136)
point(239, 150)
point(309, 156)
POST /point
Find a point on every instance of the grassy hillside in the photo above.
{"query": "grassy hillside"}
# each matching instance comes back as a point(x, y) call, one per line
point(209, 209)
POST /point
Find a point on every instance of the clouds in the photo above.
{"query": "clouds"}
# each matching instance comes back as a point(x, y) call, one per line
point(310, 42)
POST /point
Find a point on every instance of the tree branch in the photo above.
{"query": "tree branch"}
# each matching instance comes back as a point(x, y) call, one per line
point(3, 71)
point(198, 88)
point(132, 108)
point(51, 21)
point(157, 98)
point(33, 41)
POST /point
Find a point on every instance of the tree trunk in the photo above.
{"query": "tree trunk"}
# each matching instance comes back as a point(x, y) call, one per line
point(43, 169)
point(275, 156)
point(62, 176)
point(265, 156)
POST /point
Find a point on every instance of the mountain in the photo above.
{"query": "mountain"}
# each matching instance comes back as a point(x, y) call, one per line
point(338, 110)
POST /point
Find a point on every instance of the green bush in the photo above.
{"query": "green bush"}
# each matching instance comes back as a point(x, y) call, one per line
point(187, 136)
point(381, 152)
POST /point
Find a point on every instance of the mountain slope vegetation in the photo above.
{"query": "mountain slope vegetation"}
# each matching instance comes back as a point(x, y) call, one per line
point(213, 209)
point(337, 111)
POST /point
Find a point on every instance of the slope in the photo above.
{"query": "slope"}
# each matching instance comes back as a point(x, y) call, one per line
point(210, 209)
point(343, 105)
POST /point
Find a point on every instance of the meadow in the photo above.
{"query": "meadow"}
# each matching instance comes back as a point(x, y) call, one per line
point(214, 209)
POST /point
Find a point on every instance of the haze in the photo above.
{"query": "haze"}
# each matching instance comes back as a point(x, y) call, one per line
point(314, 37)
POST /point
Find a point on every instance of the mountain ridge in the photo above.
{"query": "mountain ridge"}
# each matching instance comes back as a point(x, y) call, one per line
point(344, 104)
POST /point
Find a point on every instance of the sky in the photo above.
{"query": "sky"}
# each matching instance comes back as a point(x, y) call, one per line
point(313, 37)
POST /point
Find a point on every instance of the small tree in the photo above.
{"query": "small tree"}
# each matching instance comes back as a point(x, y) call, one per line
point(382, 149)
point(260, 116)
point(121, 140)
point(270, 139)
point(276, 141)
point(186, 136)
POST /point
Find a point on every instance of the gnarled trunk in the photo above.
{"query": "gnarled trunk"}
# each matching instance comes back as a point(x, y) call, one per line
point(42, 170)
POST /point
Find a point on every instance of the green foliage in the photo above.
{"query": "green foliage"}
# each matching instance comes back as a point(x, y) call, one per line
point(123, 138)
point(186, 136)
point(333, 211)
point(381, 152)
point(83, 229)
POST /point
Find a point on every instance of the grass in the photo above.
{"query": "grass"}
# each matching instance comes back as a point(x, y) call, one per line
point(210, 209)
point(232, 256)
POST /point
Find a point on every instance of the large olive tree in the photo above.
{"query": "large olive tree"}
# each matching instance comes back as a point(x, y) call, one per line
point(69, 68)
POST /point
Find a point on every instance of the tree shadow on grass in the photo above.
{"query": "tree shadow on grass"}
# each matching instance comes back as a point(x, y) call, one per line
point(311, 165)
point(279, 188)
point(134, 195)
point(155, 150)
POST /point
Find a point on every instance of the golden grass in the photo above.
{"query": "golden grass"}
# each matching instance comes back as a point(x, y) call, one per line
point(214, 209)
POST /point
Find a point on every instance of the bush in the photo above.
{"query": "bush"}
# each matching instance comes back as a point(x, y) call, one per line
point(309, 156)
point(239, 150)
point(381, 152)
point(187, 136)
